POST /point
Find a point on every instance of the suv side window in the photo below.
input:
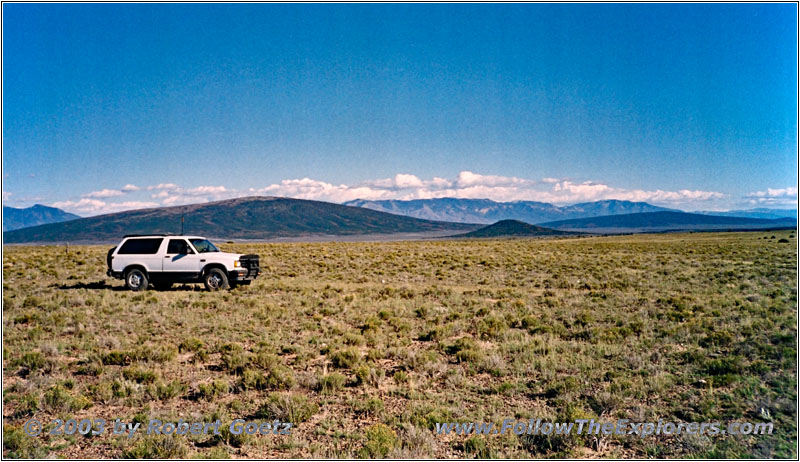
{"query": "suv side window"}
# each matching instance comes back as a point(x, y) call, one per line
point(178, 246)
point(141, 246)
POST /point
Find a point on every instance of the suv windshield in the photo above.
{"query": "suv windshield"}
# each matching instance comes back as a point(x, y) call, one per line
point(203, 245)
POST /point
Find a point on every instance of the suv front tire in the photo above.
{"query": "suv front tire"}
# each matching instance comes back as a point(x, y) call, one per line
point(216, 279)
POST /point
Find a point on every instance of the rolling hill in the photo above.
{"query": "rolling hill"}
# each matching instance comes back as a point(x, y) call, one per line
point(667, 221)
point(512, 228)
point(488, 211)
point(243, 218)
point(14, 218)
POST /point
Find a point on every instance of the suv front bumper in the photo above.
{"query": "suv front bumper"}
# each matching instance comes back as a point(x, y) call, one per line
point(250, 269)
point(243, 274)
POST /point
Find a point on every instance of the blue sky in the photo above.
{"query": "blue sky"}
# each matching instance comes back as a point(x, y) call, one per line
point(109, 107)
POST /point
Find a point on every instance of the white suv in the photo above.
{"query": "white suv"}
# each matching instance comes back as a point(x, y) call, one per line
point(163, 260)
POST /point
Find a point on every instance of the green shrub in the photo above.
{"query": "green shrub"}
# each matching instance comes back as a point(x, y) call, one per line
point(722, 366)
point(234, 440)
point(117, 358)
point(287, 407)
point(57, 399)
point(475, 447)
point(400, 377)
point(32, 301)
point(32, 361)
point(139, 375)
point(211, 390)
point(91, 368)
point(27, 405)
point(120, 390)
point(20, 445)
point(164, 391)
point(491, 327)
point(366, 375)
point(253, 380)
point(562, 386)
point(332, 382)
point(345, 359)
point(380, 440)
point(100, 391)
point(26, 318)
point(158, 447)
point(190, 344)
point(234, 359)
point(371, 406)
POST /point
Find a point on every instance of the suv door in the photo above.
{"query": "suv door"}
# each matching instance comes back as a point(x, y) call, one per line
point(180, 257)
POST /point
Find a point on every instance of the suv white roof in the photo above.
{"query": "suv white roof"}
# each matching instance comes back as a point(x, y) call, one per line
point(133, 236)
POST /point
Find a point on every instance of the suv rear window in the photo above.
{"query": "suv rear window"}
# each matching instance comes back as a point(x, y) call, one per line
point(141, 246)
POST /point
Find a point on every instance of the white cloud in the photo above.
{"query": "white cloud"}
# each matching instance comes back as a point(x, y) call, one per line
point(306, 188)
point(773, 197)
point(785, 192)
point(128, 205)
point(88, 206)
point(83, 204)
point(403, 181)
point(172, 194)
point(467, 179)
point(476, 186)
point(406, 181)
point(162, 186)
point(567, 191)
point(104, 193)
point(203, 190)
point(7, 195)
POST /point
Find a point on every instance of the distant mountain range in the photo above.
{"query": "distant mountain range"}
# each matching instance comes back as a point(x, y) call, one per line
point(279, 218)
point(14, 218)
point(512, 228)
point(667, 221)
point(757, 213)
point(489, 211)
point(244, 218)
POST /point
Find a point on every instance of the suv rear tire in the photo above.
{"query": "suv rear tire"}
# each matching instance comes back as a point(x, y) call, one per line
point(216, 279)
point(136, 280)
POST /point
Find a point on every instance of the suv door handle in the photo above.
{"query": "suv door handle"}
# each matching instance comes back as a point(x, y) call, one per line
point(167, 256)
point(203, 260)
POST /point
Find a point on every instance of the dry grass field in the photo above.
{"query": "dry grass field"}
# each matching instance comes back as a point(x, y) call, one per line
point(365, 345)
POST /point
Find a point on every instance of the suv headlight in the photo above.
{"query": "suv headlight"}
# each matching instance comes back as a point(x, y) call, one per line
point(237, 264)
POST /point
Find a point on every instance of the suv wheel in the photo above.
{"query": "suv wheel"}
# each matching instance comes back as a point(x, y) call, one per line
point(136, 280)
point(215, 279)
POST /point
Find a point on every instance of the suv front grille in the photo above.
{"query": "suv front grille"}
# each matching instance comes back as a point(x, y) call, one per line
point(251, 262)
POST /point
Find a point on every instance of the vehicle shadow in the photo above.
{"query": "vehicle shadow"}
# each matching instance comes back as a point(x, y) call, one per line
point(179, 288)
point(97, 285)
point(102, 285)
